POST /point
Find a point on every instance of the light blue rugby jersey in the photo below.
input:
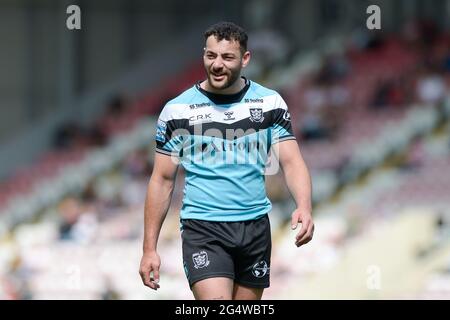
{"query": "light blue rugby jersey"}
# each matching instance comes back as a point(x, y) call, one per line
point(222, 141)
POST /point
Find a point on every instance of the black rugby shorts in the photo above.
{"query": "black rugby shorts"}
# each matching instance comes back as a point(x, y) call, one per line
point(237, 250)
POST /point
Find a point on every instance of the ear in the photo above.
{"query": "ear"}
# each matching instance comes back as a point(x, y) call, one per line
point(245, 59)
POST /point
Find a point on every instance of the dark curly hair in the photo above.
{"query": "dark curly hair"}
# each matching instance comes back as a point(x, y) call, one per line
point(228, 31)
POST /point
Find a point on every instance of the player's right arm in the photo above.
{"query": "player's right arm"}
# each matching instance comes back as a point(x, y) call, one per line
point(157, 202)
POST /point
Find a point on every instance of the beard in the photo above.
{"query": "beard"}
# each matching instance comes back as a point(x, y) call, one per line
point(229, 78)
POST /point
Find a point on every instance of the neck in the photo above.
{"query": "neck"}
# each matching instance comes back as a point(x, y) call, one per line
point(237, 86)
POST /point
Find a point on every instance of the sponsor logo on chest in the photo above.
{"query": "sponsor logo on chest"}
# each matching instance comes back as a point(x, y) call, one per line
point(200, 118)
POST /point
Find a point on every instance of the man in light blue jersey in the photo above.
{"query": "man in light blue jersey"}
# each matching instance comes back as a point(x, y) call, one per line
point(222, 131)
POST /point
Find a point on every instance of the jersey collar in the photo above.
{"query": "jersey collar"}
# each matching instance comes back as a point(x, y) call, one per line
point(217, 98)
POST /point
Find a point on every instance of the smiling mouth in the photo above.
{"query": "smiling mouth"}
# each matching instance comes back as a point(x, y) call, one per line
point(218, 76)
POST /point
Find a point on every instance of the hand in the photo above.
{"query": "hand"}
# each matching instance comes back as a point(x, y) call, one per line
point(307, 230)
point(150, 263)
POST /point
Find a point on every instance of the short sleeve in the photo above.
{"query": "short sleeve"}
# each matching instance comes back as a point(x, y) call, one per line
point(281, 122)
point(169, 132)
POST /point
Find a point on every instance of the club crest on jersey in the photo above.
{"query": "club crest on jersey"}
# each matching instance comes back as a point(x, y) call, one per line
point(200, 259)
point(287, 116)
point(256, 115)
point(260, 269)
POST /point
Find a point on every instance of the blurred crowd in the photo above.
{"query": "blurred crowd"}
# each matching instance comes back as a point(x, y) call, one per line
point(328, 94)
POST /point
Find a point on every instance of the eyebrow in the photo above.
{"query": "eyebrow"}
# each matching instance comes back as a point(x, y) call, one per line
point(207, 51)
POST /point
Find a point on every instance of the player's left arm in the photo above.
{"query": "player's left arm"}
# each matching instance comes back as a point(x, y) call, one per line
point(298, 180)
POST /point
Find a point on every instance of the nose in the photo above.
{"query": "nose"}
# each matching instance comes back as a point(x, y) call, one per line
point(217, 64)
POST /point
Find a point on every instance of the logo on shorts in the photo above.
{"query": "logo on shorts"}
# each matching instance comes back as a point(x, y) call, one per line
point(200, 259)
point(256, 115)
point(260, 269)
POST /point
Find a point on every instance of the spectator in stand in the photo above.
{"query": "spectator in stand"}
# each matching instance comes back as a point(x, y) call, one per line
point(113, 120)
point(337, 106)
point(312, 125)
point(415, 156)
point(391, 93)
point(16, 283)
point(66, 135)
point(334, 68)
point(430, 87)
point(136, 171)
point(109, 292)
point(71, 135)
point(446, 61)
point(380, 99)
point(70, 211)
